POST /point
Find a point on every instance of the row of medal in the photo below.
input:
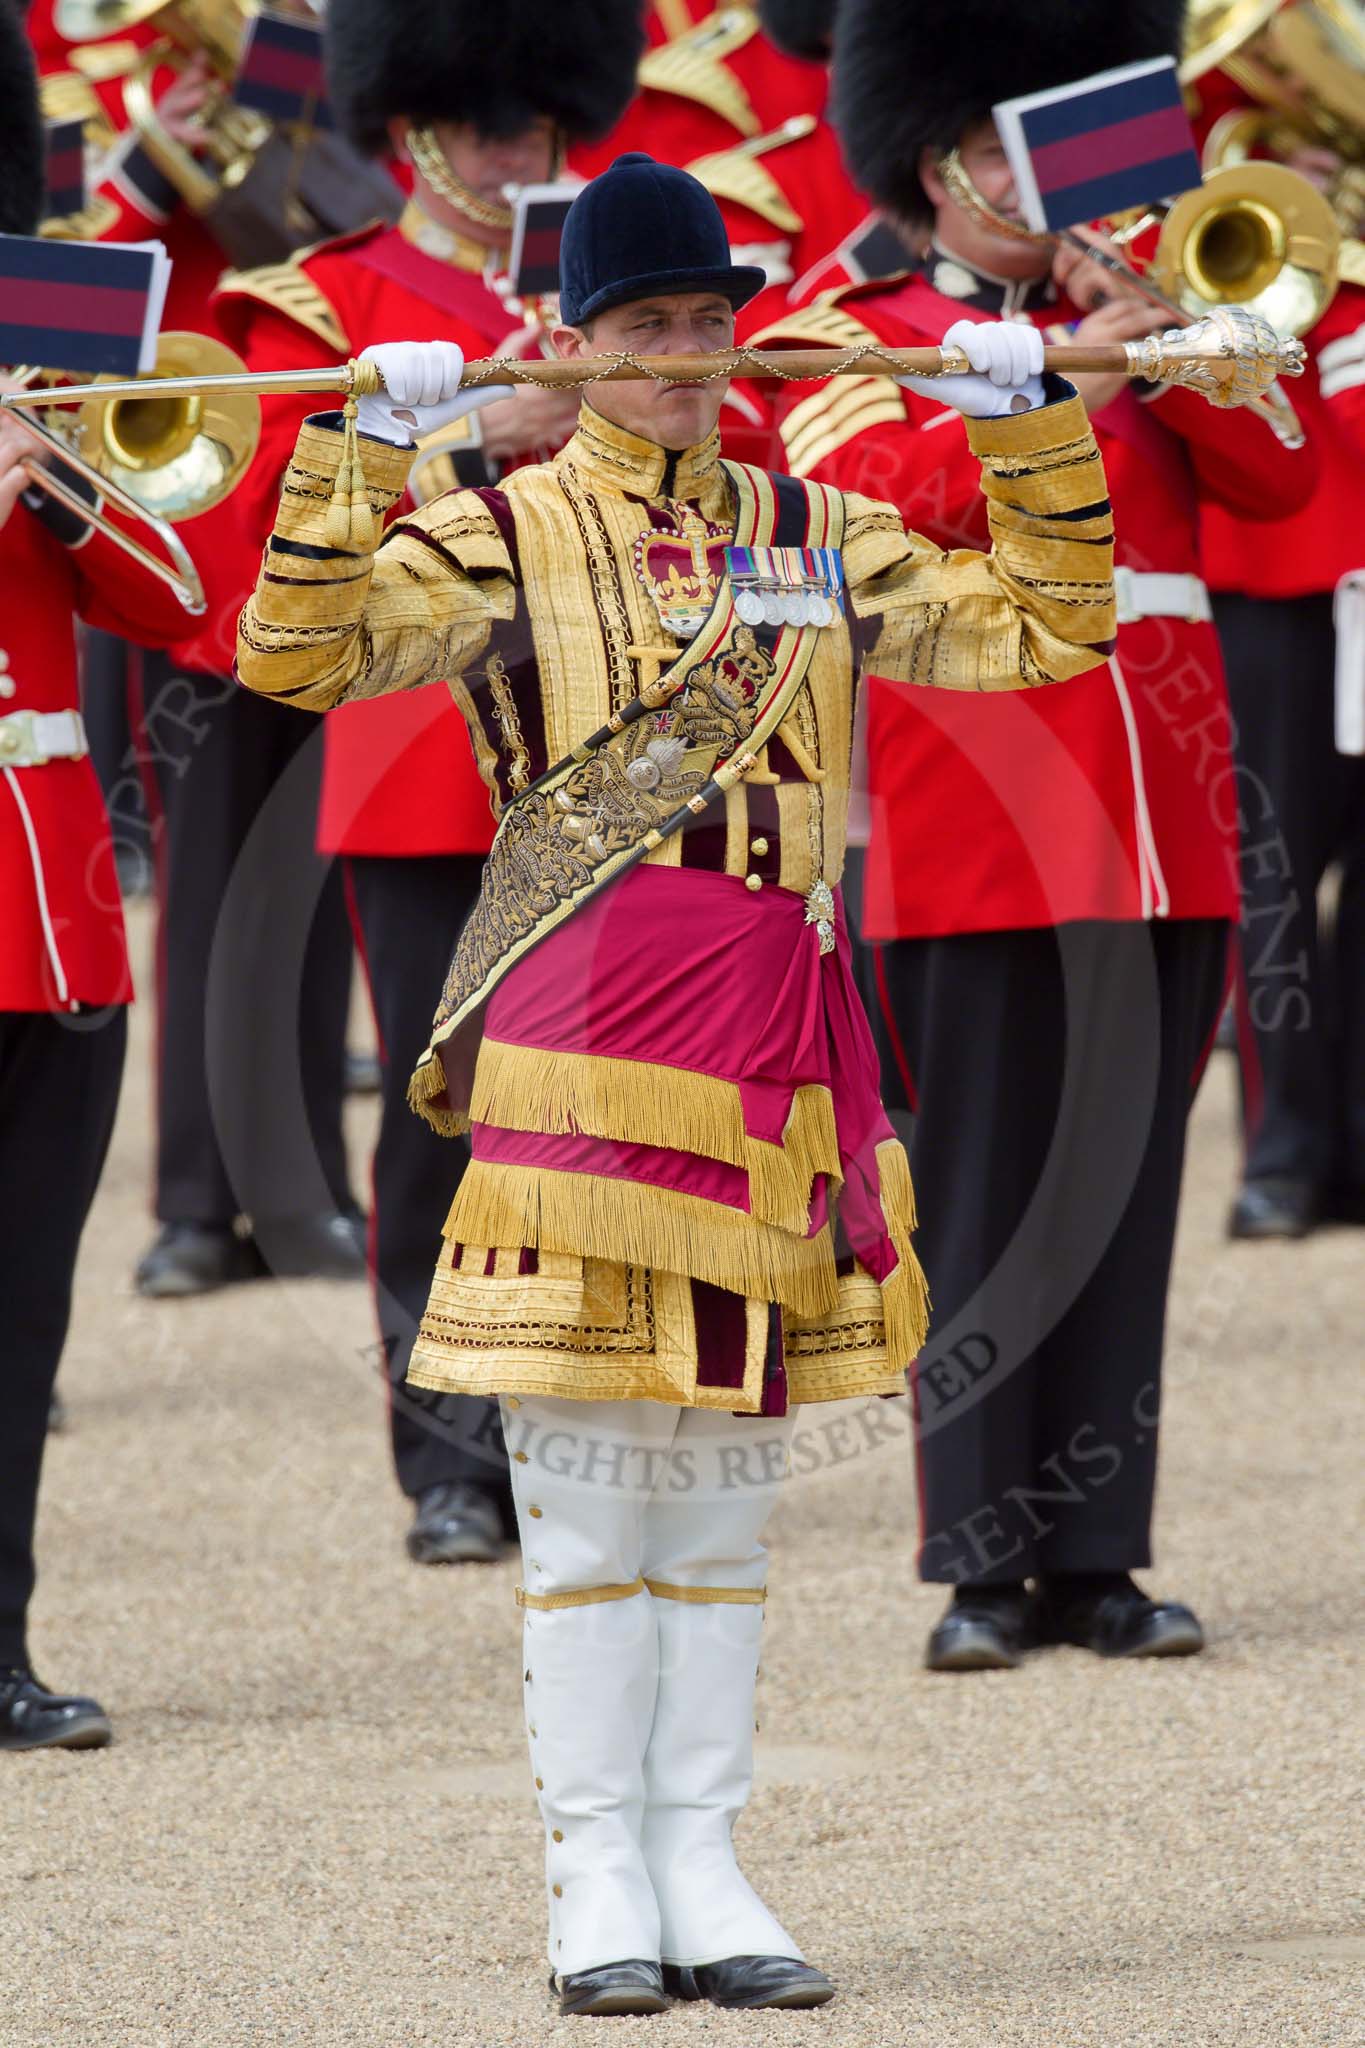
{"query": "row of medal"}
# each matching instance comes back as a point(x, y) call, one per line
point(787, 586)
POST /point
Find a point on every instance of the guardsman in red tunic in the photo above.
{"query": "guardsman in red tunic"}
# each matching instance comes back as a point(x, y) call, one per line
point(402, 801)
point(64, 979)
point(739, 101)
point(133, 200)
point(233, 1142)
point(1300, 987)
point(1052, 892)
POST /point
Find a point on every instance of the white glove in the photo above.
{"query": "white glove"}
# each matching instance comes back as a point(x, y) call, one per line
point(1007, 357)
point(421, 391)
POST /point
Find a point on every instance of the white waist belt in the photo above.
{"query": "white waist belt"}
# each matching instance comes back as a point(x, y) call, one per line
point(29, 739)
point(1143, 595)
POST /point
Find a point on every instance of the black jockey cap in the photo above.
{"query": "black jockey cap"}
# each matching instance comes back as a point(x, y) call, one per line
point(803, 28)
point(641, 229)
point(22, 155)
point(910, 77)
point(499, 65)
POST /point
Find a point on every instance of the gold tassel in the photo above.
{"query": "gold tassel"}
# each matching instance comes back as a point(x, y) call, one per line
point(350, 520)
point(636, 1225)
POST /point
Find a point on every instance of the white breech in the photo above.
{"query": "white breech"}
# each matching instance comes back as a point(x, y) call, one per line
point(644, 1576)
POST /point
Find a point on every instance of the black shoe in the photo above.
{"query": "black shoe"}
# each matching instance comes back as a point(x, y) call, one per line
point(327, 1247)
point(31, 1717)
point(1112, 1617)
point(634, 1986)
point(455, 1523)
point(195, 1258)
point(983, 1630)
point(1344, 1203)
point(1274, 1208)
point(751, 1981)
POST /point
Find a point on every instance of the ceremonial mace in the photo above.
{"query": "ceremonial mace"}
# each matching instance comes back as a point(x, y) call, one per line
point(1230, 358)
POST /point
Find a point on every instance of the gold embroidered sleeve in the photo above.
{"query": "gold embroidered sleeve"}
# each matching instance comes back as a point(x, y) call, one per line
point(1038, 608)
point(329, 625)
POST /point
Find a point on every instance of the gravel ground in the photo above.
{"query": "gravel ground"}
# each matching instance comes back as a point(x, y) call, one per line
point(315, 1825)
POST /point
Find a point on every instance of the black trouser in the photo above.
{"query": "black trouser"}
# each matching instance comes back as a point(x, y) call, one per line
point(1301, 993)
point(408, 914)
point(254, 957)
point(59, 1083)
point(106, 691)
point(1054, 1072)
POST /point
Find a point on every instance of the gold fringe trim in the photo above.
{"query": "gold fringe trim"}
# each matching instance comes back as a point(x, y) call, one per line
point(905, 1290)
point(644, 1226)
point(896, 1188)
point(526, 1088)
point(780, 1176)
point(709, 1596)
point(585, 1596)
point(427, 1098)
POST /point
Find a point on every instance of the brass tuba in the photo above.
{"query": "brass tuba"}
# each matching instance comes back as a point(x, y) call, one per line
point(1302, 63)
point(232, 136)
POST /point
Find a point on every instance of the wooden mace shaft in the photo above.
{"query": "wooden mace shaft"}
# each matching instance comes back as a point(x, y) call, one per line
point(784, 365)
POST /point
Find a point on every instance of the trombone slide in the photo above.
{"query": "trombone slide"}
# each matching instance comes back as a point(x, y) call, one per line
point(179, 574)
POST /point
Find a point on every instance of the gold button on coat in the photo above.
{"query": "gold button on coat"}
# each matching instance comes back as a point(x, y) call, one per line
point(520, 1457)
point(535, 1513)
point(753, 881)
point(558, 1890)
point(8, 686)
point(557, 1836)
point(760, 847)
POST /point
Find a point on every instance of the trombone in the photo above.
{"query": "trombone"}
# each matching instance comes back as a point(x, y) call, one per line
point(161, 458)
point(1255, 238)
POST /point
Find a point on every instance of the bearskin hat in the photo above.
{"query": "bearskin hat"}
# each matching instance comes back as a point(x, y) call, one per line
point(500, 64)
point(803, 28)
point(22, 154)
point(909, 76)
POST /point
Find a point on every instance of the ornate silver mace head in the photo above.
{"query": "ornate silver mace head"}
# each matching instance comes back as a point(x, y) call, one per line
point(1230, 357)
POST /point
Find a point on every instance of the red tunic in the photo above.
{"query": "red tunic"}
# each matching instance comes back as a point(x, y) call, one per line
point(1314, 548)
point(146, 206)
point(704, 95)
point(1110, 796)
point(61, 935)
point(399, 775)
